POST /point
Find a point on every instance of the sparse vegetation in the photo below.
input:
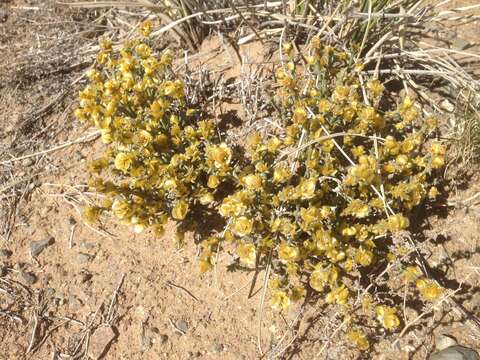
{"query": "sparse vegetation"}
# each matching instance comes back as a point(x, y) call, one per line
point(321, 165)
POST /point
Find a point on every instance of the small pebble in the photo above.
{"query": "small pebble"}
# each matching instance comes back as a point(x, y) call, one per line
point(38, 246)
point(182, 325)
point(455, 352)
point(74, 302)
point(29, 278)
point(88, 245)
point(85, 276)
point(163, 338)
point(100, 342)
point(444, 341)
point(83, 258)
point(5, 253)
point(28, 162)
point(217, 348)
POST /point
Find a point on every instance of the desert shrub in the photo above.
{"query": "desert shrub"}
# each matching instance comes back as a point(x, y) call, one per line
point(328, 190)
point(163, 160)
point(321, 199)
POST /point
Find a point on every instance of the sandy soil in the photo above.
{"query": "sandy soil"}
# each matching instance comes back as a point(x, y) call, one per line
point(145, 289)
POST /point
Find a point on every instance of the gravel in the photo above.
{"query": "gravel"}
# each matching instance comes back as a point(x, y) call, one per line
point(37, 247)
point(83, 258)
point(5, 253)
point(182, 325)
point(28, 277)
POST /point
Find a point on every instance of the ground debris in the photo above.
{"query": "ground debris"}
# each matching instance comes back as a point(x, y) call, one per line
point(100, 342)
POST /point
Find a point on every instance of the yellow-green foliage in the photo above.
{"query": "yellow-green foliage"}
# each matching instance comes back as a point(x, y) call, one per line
point(324, 194)
point(320, 195)
point(162, 158)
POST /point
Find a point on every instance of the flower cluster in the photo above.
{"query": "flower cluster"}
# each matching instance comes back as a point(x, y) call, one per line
point(322, 196)
point(163, 159)
point(317, 198)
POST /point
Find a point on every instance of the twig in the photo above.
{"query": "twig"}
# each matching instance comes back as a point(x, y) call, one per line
point(34, 332)
point(262, 302)
point(114, 300)
point(86, 138)
point(172, 285)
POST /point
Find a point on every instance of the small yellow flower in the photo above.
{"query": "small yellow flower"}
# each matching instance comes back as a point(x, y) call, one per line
point(143, 138)
point(429, 289)
point(411, 273)
point(359, 339)
point(121, 209)
point(206, 199)
point(213, 181)
point(221, 155)
point(91, 214)
point(288, 252)
point(307, 188)
point(438, 161)
point(273, 144)
point(364, 257)
point(280, 301)
point(281, 174)
point(247, 253)
point(376, 88)
point(242, 226)
point(205, 265)
point(318, 279)
point(252, 182)
point(433, 192)
point(388, 317)
point(123, 161)
point(180, 210)
point(299, 115)
point(338, 295)
point(146, 27)
point(397, 222)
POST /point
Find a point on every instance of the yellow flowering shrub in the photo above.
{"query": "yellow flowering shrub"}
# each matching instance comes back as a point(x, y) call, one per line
point(320, 197)
point(163, 159)
point(325, 191)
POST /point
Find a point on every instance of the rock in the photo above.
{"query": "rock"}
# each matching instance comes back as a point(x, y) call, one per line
point(182, 325)
point(83, 258)
point(74, 302)
point(72, 221)
point(85, 276)
point(444, 341)
point(447, 105)
point(38, 246)
point(100, 342)
point(455, 352)
point(28, 162)
point(460, 44)
point(450, 35)
point(5, 253)
point(28, 277)
point(163, 338)
point(88, 246)
point(216, 348)
point(60, 298)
